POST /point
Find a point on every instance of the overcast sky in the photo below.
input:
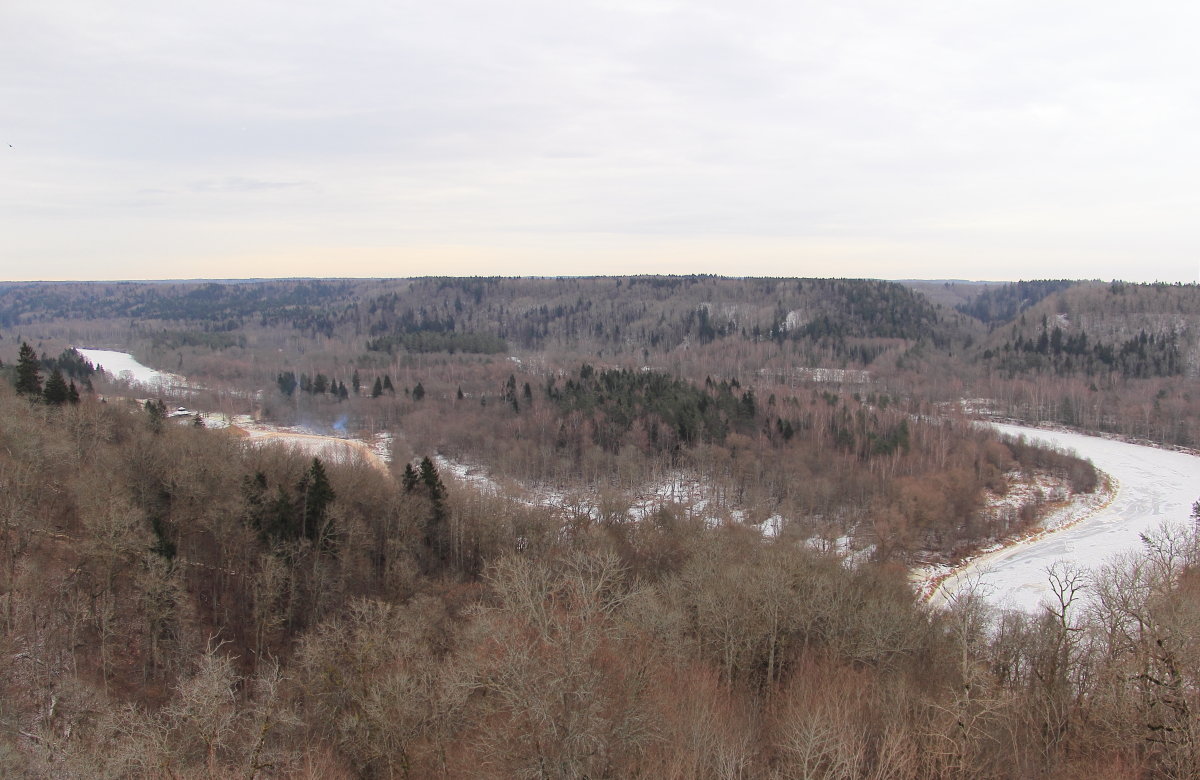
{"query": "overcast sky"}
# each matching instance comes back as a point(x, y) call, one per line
point(985, 140)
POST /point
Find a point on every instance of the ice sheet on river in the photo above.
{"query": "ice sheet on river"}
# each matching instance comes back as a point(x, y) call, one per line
point(121, 365)
point(1153, 486)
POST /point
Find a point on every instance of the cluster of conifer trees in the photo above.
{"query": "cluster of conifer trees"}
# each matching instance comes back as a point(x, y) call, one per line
point(319, 384)
point(58, 390)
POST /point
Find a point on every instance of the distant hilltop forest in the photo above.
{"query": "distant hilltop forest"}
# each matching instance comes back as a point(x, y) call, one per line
point(1060, 326)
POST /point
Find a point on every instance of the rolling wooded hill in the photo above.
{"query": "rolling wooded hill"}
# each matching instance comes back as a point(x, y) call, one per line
point(490, 315)
point(1087, 354)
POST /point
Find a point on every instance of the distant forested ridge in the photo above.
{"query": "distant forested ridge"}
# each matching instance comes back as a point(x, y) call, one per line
point(1118, 329)
point(849, 319)
point(212, 306)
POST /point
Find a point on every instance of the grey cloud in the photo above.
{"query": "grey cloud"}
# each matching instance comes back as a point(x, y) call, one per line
point(931, 121)
point(239, 184)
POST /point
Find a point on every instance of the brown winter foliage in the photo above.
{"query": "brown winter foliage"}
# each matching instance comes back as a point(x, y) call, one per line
point(174, 603)
point(168, 609)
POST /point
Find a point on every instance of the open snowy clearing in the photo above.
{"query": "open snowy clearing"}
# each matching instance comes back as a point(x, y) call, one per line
point(688, 493)
point(1153, 486)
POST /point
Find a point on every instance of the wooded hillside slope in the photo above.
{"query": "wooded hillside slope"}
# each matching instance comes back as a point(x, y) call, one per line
point(176, 603)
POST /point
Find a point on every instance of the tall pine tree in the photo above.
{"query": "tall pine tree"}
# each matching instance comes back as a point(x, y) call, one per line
point(410, 478)
point(56, 392)
point(29, 380)
point(435, 540)
point(315, 496)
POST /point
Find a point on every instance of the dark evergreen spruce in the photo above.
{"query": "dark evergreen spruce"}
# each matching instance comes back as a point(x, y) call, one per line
point(410, 478)
point(29, 380)
point(315, 496)
point(56, 392)
point(436, 541)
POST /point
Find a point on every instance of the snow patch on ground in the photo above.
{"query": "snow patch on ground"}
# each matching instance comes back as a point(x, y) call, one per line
point(794, 319)
point(676, 489)
point(215, 420)
point(1041, 487)
point(474, 476)
point(819, 375)
point(381, 445)
point(772, 527)
point(1052, 493)
point(978, 406)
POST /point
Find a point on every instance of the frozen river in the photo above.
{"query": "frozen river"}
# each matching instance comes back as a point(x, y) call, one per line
point(121, 365)
point(1152, 486)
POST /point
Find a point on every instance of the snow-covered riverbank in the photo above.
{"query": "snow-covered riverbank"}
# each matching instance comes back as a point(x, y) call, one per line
point(1152, 486)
